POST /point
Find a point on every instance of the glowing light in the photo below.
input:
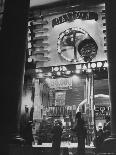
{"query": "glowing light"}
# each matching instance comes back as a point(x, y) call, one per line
point(49, 74)
point(37, 70)
point(58, 73)
point(99, 64)
point(77, 71)
point(40, 75)
point(68, 72)
point(75, 79)
point(78, 66)
point(93, 65)
point(84, 67)
point(89, 66)
point(47, 80)
point(64, 68)
point(29, 45)
point(56, 69)
point(105, 64)
point(29, 59)
point(89, 70)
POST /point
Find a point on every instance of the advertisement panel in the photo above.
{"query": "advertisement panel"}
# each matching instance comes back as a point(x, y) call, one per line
point(60, 98)
point(68, 36)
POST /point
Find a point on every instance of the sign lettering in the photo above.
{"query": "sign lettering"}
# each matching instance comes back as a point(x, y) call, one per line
point(74, 15)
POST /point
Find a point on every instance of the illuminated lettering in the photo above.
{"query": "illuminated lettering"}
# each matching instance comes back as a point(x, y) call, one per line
point(68, 17)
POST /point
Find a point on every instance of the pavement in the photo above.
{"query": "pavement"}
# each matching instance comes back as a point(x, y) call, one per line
point(72, 148)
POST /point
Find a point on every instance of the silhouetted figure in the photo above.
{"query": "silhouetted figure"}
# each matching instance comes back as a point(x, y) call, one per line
point(99, 138)
point(56, 139)
point(81, 133)
point(31, 113)
point(28, 136)
point(25, 118)
point(107, 128)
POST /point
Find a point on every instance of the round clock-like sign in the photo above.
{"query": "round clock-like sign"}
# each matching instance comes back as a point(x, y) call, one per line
point(75, 44)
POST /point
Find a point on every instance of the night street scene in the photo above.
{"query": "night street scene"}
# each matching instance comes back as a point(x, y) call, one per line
point(58, 77)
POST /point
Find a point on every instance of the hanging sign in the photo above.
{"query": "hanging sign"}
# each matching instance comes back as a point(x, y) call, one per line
point(60, 84)
point(74, 15)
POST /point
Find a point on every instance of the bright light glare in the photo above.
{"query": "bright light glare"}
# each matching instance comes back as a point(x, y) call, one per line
point(89, 70)
point(29, 59)
point(40, 75)
point(37, 70)
point(99, 64)
point(75, 78)
point(77, 71)
point(105, 64)
point(68, 72)
point(56, 69)
point(58, 73)
point(93, 65)
point(84, 67)
point(49, 74)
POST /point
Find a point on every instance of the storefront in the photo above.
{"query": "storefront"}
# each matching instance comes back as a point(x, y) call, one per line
point(68, 46)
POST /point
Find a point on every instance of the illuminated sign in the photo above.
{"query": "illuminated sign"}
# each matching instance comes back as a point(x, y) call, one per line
point(55, 28)
point(75, 44)
point(101, 112)
point(74, 15)
point(60, 98)
point(60, 84)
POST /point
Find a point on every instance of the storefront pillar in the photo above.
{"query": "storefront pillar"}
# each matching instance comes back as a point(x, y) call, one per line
point(37, 115)
point(13, 36)
point(109, 145)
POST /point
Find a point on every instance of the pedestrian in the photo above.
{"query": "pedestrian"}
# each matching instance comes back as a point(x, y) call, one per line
point(31, 113)
point(56, 139)
point(81, 133)
point(25, 118)
point(99, 137)
point(28, 136)
point(107, 128)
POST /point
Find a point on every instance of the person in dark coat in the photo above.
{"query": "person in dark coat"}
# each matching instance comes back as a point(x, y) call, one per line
point(99, 138)
point(56, 139)
point(28, 136)
point(81, 133)
point(107, 128)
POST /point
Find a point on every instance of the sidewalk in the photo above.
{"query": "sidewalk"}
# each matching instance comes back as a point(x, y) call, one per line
point(72, 147)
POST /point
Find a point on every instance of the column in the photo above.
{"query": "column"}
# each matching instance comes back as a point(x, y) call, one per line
point(37, 115)
point(110, 143)
point(12, 46)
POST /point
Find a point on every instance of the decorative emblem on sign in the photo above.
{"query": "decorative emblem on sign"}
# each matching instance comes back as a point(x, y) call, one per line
point(75, 44)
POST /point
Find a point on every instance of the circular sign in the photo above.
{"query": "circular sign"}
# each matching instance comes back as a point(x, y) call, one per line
point(69, 41)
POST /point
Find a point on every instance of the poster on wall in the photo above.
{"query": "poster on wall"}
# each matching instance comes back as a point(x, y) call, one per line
point(69, 36)
point(60, 83)
point(60, 98)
